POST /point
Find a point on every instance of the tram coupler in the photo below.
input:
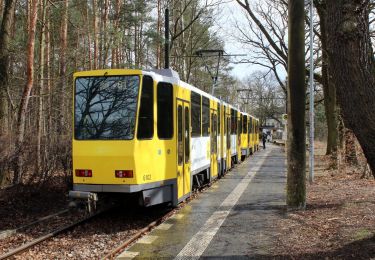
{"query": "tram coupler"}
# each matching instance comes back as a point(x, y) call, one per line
point(90, 199)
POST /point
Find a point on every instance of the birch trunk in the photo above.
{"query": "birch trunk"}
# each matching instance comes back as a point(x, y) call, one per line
point(41, 87)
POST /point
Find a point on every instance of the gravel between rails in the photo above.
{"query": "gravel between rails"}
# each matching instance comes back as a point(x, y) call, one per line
point(25, 235)
point(10, 232)
point(49, 234)
point(97, 237)
point(93, 239)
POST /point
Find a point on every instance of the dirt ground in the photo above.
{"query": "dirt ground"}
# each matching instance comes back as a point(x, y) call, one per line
point(338, 223)
point(339, 220)
point(20, 205)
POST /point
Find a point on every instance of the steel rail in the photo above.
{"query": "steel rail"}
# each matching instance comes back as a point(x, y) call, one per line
point(139, 234)
point(49, 235)
point(111, 255)
point(7, 233)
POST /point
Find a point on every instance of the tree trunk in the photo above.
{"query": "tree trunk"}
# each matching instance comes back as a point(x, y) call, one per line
point(329, 88)
point(350, 149)
point(341, 129)
point(1, 9)
point(105, 43)
point(96, 39)
point(135, 64)
point(115, 49)
point(48, 80)
point(62, 73)
point(26, 92)
point(296, 147)
point(41, 87)
point(88, 35)
point(353, 69)
point(5, 31)
point(158, 47)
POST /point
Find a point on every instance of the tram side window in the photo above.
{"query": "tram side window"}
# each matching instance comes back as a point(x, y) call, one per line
point(205, 116)
point(239, 124)
point(187, 137)
point(165, 110)
point(233, 122)
point(195, 114)
point(244, 124)
point(219, 120)
point(146, 110)
point(251, 125)
point(228, 132)
point(225, 120)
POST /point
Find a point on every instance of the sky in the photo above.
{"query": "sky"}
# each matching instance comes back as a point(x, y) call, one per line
point(228, 13)
point(224, 24)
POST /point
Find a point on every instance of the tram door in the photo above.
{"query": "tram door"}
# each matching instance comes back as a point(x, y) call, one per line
point(214, 168)
point(183, 148)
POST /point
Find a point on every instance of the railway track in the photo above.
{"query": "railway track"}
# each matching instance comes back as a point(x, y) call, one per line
point(139, 234)
point(51, 234)
point(142, 230)
point(7, 233)
point(115, 252)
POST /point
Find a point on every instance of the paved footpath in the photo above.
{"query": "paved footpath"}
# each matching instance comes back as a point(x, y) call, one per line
point(234, 219)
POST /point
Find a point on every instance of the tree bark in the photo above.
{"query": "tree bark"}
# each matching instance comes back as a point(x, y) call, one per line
point(105, 42)
point(26, 92)
point(41, 87)
point(48, 80)
point(341, 130)
point(96, 37)
point(329, 88)
point(1, 9)
point(62, 73)
point(5, 31)
point(353, 69)
point(158, 47)
point(350, 149)
point(296, 147)
point(88, 35)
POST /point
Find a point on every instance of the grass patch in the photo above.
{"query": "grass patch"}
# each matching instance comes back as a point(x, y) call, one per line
point(362, 234)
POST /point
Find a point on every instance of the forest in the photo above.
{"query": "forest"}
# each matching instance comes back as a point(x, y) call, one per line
point(43, 42)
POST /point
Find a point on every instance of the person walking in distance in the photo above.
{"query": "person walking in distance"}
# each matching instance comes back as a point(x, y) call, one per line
point(264, 139)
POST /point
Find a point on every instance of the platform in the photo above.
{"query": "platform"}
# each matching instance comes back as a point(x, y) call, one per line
point(233, 219)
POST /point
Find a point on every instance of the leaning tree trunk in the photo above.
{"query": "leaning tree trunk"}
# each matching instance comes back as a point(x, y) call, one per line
point(330, 109)
point(26, 92)
point(296, 147)
point(329, 88)
point(353, 69)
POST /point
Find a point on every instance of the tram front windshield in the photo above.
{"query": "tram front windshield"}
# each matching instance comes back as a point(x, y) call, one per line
point(105, 107)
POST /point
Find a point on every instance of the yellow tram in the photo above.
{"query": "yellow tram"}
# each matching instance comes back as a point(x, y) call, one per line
point(150, 134)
